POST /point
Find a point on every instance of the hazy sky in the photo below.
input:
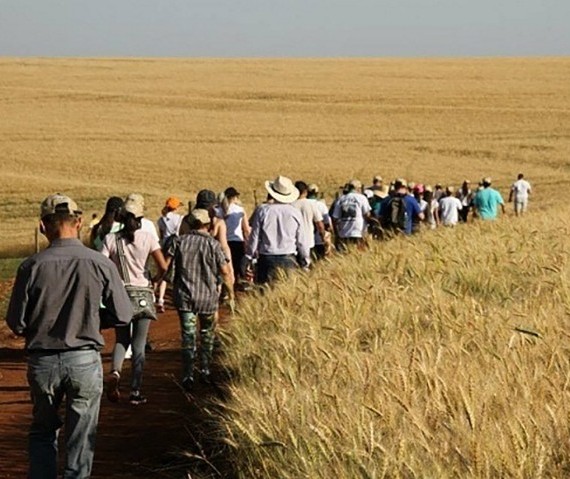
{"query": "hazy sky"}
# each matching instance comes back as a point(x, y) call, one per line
point(298, 28)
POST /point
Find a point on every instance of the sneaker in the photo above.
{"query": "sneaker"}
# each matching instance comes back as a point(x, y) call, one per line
point(136, 398)
point(113, 393)
point(188, 383)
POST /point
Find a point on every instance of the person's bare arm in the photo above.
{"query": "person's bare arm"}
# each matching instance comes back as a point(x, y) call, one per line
point(161, 264)
point(220, 233)
point(245, 227)
point(228, 280)
point(320, 228)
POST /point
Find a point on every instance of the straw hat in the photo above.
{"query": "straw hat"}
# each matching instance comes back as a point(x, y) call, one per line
point(282, 190)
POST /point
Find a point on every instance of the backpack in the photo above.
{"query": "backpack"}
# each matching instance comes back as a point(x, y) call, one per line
point(396, 215)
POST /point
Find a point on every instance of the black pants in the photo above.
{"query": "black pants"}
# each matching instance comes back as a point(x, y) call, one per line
point(238, 252)
point(342, 244)
point(318, 252)
point(268, 265)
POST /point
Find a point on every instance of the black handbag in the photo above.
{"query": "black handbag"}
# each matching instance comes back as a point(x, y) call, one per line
point(142, 297)
point(107, 320)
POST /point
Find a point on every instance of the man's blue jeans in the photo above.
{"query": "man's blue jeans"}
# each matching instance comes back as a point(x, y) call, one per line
point(77, 375)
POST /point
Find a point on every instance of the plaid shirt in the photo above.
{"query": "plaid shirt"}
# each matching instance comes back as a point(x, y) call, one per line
point(198, 259)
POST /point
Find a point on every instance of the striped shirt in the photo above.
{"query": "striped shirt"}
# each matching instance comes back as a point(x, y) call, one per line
point(198, 259)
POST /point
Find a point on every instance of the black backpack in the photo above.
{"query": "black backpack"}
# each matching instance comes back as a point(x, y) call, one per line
point(396, 214)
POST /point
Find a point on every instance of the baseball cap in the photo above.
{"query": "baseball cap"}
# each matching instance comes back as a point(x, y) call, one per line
point(231, 192)
point(205, 199)
point(134, 204)
point(172, 202)
point(377, 178)
point(59, 203)
point(313, 188)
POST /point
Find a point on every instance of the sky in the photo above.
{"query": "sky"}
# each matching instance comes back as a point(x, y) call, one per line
point(284, 28)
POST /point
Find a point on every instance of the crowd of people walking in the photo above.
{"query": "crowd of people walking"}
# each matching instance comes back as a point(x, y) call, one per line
point(63, 296)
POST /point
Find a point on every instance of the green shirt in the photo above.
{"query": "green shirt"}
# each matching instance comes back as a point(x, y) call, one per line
point(487, 202)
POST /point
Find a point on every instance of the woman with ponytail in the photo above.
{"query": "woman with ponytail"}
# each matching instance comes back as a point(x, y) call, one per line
point(129, 249)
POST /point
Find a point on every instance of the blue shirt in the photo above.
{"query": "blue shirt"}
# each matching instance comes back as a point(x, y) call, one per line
point(412, 209)
point(487, 202)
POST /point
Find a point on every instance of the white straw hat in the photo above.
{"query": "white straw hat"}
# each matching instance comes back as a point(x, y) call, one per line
point(282, 190)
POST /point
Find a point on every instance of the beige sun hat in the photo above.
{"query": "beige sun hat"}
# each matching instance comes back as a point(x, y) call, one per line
point(282, 190)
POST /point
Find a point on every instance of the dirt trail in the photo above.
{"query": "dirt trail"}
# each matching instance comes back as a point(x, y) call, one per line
point(132, 441)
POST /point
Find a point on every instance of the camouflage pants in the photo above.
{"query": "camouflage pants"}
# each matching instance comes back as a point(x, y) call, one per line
point(188, 330)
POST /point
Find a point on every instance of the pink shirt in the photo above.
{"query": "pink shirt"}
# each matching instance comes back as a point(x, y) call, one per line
point(136, 255)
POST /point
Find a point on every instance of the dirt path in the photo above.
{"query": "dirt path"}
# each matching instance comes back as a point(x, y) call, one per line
point(132, 441)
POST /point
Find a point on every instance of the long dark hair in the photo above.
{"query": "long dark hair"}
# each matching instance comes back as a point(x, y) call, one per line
point(130, 225)
point(112, 214)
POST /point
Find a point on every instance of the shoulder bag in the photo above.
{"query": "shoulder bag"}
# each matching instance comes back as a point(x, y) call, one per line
point(142, 297)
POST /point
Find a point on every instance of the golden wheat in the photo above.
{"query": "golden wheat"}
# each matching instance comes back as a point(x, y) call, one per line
point(416, 358)
point(94, 127)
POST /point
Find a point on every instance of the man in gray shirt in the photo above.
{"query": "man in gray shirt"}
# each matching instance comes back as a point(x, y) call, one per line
point(55, 307)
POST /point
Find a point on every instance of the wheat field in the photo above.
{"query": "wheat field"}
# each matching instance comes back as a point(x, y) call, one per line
point(441, 356)
point(94, 127)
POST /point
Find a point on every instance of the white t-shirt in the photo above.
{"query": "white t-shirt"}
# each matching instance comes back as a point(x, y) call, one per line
point(449, 207)
point(234, 220)
point(322, 207)
point(349, 211)
point(136, 254)
point(169, 225)
point(147, 225)
point(311, 214)
point(521, 189)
